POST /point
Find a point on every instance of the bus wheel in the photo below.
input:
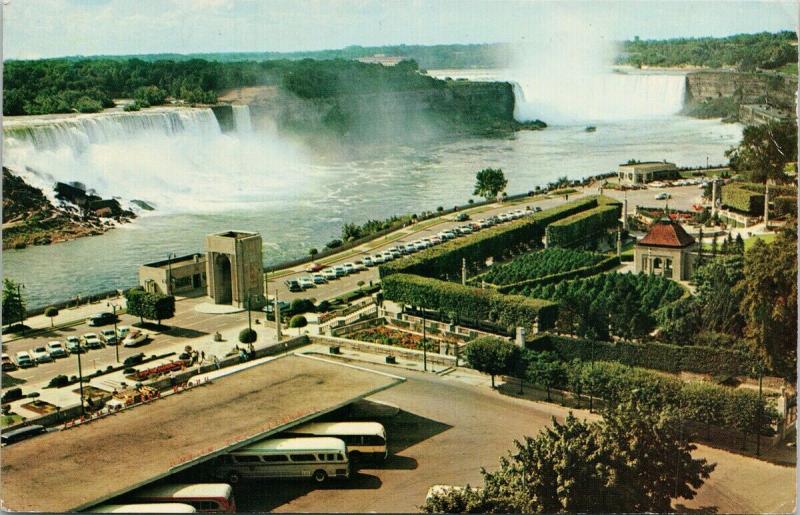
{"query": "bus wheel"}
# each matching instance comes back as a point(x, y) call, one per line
point(320, 476)
point(233, 478)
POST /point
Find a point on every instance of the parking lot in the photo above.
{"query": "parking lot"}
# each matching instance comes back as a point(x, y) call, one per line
point(448, 428)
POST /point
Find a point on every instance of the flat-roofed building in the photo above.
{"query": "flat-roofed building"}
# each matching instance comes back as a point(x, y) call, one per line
point(235, 269)
point(640, 173)
point(174, 275)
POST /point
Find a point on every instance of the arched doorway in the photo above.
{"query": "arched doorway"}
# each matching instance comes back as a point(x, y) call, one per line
point(223, 286)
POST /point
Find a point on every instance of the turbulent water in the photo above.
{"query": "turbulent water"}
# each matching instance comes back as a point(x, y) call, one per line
point(203, 180)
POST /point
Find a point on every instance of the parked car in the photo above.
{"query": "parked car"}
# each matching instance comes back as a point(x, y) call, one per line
point(306, 282)
point(122, 332)
point(465, 229)
point(387, 256)
point(134, 338)
point(24, 360)
point(8, 363)
point(40, 354)
point(109, 336)
point(663, 196)
point(444, 235)
point(319, 279)
point(419, 245)
point(330, 274)
point(378, 259)
point(293, 285)
point(350, 268)
point(462, 217)
point(103, 318)
point(410, 248)
point(74, 345)
point(340, 271)
point(537, 209)
point(368, 261)
point(314, 267)
point(56, 350)
point(359, 266)
point(91, 341)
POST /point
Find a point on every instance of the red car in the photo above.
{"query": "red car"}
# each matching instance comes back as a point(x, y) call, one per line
point(314, 267)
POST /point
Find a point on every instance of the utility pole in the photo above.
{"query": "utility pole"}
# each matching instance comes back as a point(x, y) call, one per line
point(169, 272)
point(424, 343)
point(21, 311)
point(760, 410)
point(80, 377)
point(464, 271)
point(116, 334)
point(591, 383)
point(277, 318)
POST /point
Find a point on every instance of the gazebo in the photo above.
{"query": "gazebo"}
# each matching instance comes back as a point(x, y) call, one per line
point(665, 250)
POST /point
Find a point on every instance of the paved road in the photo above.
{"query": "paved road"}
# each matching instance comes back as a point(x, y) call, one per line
point(450, 428)
point(187, 324)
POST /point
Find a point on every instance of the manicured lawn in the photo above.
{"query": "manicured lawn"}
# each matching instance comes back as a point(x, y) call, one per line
point(7, 420)
point(766, 238)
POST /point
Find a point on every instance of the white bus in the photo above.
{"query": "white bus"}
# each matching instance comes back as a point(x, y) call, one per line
point(143, 508)
point(363, 439)
point(205, 497)
point(279, 458)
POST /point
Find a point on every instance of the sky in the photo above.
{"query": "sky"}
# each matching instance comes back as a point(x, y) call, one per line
point(49, 28)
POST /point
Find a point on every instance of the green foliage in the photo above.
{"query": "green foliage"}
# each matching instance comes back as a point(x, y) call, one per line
point(785, 205)
point(769, 300)
point(88, 105)
point(539, 264)
point(746, 51)
point(605, 264)
point(302, 306)
point(491, 355)
point(352, 231)
point(58, 381)
point(584, 226)
point(543, 369)
point(466, 303)
point(765, 150)
point(742, 200)
point(13, 303)
point(622, 303)
point(298, 321)
point(152, 306)
point(247, 336)
point(445, 259)
point(150, 95)
point(489, 182)
point(652, 355)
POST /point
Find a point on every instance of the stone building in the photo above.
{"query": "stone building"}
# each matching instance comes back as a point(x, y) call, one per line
point(665, 250)
point(234, 268)
point(180, 274)
point(640, 173)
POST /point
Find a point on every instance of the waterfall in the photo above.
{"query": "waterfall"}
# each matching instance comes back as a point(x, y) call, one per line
point(241, 119)
point(177, 159)
point(600, 97)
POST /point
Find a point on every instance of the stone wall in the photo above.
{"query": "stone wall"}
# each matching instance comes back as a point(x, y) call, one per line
point(745, 88)
point(387, 350)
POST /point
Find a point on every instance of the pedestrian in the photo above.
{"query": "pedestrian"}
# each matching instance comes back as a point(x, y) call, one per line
point(216, 361)
point(172, 378)
point(202, 356)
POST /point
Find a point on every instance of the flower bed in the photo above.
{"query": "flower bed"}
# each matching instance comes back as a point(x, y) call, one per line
point(388, 336)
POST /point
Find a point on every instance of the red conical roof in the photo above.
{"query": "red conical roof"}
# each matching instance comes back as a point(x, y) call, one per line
point(666, 233)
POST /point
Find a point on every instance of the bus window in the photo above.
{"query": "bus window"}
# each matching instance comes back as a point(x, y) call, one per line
point(341, 457)
point(374, 440)
point(303, 457)
point(208, 506)
point(275, 458)
point(247, 459)
point(331, 457)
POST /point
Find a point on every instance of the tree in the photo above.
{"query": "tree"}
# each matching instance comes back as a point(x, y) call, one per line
point(51, 312)
point(13, 302)
point(489, 182)
point(302, 306)
point(247, 336)
point(490, 355)
point(313, 252)
point(152, 306)
point(765, 150)
point(769, 301)
point(298, 321)
point(544, 369)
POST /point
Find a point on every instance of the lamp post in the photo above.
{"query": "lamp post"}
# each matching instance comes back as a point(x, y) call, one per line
point(80, 376)
point(116, 334)
point(591, 382)
point(170, 257)
point(760, 408)
point(424, 343)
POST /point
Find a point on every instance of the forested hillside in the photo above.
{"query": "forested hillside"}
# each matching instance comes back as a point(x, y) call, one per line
point(745, 52)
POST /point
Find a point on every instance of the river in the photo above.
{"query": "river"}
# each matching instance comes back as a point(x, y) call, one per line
point(204, 181)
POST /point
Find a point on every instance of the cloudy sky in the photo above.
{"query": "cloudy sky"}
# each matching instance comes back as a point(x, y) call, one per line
point(48, 28)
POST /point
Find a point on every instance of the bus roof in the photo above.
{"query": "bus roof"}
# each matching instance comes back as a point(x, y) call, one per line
point(294, 444)
point(185, 491)
point(340, 428)
point(165, 507)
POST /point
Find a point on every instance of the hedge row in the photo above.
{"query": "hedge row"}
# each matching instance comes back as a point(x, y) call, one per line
point(784, 205)
point(774, 189)
point(446, 259)
point(657, 356)
point(586, 271)
point(467, 303)
point(578, 228)
point(743, 200)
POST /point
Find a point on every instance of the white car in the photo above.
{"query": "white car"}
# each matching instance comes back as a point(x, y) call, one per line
point(663, 196)
point(40, 354)
point(378, 259)
point(368, 261)
point(74, 345)
point(109, 337)
point(122, 331)
point(134, 338)
point(350, 268)
point(91, 341)
point(419, 245)
point(330, 274)
point(387, 256)
point(306, 282)
point(24, 360)
point(465, 229)
point(56, 350)
point(410, 248)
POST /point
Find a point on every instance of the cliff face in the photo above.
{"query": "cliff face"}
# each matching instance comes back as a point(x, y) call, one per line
point(456, 108)
point(743, 88)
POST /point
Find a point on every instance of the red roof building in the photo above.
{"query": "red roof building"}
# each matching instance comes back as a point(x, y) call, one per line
point(665, 250)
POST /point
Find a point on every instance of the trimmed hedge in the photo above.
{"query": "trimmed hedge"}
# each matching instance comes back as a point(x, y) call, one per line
point(743, 200)
point(445, 259)
point(469, 303)
point(578, 228)
point(539, 264)
point(657, 356)
point(784, 205)
point(586, 271)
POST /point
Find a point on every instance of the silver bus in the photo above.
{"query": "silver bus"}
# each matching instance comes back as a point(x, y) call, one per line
point(286, 458)
point(363, 439)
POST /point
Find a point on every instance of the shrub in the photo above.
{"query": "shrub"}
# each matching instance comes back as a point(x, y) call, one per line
point(743, 200)
point(58, 381)
point(581, 227)
point(73, 379)
point(247, 336)
point(313, 252)
point(298, 321)
point(539, 264)
point(302, 306)
point(333, 244)
point(785, 205)
point(109, 368)
point(12, 394)
point(133, 360)
point(129, 371)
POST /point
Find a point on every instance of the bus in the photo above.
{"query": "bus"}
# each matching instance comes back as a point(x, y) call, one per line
point(363, 439)
point(172, 507)
point(205, 497)
point(286, 458)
